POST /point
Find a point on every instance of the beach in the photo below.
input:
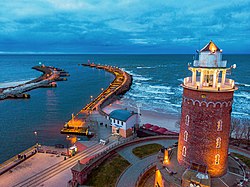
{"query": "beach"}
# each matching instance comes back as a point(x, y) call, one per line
point(162, 119)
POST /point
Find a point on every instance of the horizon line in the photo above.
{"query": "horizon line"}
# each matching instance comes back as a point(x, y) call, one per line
point(99, 53)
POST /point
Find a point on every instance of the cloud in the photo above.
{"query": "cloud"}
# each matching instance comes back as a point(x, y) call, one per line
point(123, 25)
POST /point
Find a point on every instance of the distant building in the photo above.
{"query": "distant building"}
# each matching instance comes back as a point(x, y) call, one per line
point(123, 122)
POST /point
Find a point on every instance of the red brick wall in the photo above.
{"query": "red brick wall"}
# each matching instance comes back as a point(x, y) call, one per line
point(205, 109)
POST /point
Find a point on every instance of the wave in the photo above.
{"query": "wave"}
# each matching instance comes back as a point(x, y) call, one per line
point(242, 84)
point(140, 78)
point(142, 67)
point(137, 77)
point(242, 94)
point(160, 87)
point(240, 113)
point(176, 105)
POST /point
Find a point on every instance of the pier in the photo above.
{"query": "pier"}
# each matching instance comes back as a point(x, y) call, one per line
point(47, 79)
point(120, 85)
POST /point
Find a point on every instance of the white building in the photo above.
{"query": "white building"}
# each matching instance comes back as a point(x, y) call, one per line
point(123, 122)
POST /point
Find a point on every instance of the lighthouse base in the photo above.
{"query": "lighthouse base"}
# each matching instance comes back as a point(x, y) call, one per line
point(172, 174)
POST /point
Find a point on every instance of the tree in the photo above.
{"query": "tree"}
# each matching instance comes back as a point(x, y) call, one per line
point(246, 124)
point(234, 127)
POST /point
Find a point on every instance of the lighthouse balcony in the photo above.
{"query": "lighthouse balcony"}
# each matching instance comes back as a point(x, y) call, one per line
point(212, 86)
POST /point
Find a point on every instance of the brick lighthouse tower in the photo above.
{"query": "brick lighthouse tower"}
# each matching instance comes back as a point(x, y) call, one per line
point(206, 113)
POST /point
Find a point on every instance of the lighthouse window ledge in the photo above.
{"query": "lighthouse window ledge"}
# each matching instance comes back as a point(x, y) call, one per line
point(217, 159)
point(184, 150)
point(185, 136)
point(187, 120)
point(218, 142)
point(219, 125)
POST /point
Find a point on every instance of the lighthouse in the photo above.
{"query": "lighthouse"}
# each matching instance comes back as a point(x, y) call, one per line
point(206, 113)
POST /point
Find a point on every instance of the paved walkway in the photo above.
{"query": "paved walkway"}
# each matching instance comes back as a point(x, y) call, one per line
point(132, 173)
point(243, 152)
point(130, 176)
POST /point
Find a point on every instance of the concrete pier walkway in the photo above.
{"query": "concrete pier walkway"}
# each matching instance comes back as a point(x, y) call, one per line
point(121, 84)
point(50, 74)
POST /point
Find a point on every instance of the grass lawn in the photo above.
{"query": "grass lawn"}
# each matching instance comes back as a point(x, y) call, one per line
point(244, 159)
point(146, 150)
point(108, 172)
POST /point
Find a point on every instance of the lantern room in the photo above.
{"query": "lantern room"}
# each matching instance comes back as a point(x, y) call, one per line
point(209, 72)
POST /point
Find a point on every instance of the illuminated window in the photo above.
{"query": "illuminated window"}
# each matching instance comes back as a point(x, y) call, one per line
point(218, 142)
point(187, 120)
point(217, 159)
point(219, 125)
point(185, 136)
point(184, 151)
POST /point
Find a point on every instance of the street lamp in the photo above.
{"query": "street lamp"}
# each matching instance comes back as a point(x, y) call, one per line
point(67, 138)
point(91, 98)
point(36, 138)
point(102, 89)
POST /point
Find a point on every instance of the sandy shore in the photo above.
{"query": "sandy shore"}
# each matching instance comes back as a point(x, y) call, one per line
point(156, 118)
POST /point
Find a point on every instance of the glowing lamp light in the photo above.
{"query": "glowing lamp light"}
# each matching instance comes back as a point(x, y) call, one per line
point(166, 157)
point(212, 47)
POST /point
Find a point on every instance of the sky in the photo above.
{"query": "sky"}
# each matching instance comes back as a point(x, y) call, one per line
point(123, 26)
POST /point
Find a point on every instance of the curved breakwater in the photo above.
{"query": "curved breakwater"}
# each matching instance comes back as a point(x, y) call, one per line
point(120, 85)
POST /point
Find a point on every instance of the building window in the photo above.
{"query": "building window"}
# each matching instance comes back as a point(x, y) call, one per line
point(184, 151)
point(218, 142)
point(187, 120)
point(122, 122)
point(219, 125)
point(185, 136)
point(217, 159)
point(118, 122)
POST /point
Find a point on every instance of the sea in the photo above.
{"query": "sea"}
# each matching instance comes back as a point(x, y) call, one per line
point(156, 87)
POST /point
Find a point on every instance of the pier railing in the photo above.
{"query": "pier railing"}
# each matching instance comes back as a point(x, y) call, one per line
point(5, 166)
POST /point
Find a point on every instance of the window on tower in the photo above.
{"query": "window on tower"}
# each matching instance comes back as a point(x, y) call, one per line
point(184, 151)
point(187, 120)
point(218, 142)
point(185, 136)
point(219, 125)
point(217, 159)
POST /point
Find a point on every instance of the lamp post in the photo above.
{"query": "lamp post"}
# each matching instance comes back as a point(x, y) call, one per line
point(36, 138)
point(67, 138)
point(102, 89)
point(91, 98)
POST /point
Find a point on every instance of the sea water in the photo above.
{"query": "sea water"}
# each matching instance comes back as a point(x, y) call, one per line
point(156, 86)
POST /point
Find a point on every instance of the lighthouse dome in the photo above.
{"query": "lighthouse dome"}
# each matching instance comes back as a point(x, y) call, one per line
point(210, 56)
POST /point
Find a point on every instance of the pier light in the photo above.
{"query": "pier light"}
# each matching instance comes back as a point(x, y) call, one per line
point(35, 132)
point(67, 138)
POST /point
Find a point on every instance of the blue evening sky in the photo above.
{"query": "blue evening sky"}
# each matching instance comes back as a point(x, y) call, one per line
point(123, 26)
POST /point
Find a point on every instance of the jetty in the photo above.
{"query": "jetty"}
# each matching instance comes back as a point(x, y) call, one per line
point(47, 79)
point(120, 85)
